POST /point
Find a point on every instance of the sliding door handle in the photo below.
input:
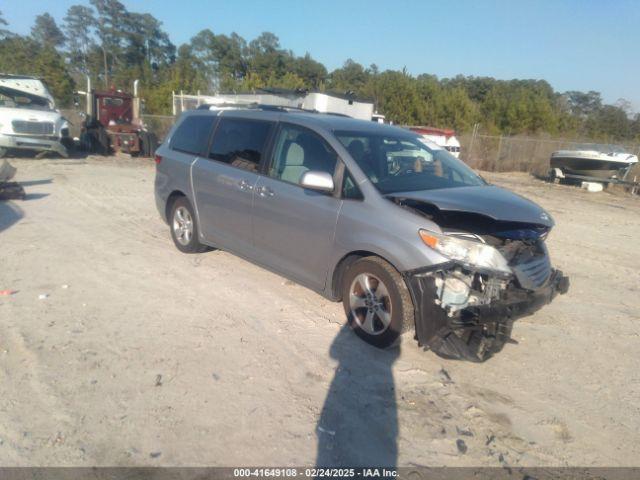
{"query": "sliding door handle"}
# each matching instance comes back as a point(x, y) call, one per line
point(265, 191)
point(244, 185)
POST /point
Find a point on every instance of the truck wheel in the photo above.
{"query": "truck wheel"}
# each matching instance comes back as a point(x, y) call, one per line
point(184, 227)
point(376, 301)
point(144, 144)
point(69, 144)
point(103, 143)
point(149, 144)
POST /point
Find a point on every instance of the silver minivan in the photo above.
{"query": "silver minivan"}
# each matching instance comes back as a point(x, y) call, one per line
point(404, 234)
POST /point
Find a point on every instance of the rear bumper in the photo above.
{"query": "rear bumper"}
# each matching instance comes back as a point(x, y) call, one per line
point(39, 143)
point(161, 205)
point(433, 321)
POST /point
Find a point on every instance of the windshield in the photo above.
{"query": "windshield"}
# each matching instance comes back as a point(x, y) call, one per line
point(10, 98)
point(399, 163)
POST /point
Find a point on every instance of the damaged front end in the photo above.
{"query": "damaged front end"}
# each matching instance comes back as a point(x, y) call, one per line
point(465, 307)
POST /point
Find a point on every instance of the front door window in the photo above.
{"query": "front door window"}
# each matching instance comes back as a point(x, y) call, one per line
point(299, 150)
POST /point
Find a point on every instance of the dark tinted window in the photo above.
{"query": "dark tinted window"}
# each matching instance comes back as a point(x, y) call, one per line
point(240, 142)
point(192, 134)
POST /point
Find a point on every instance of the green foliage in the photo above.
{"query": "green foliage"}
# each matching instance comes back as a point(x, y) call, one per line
point(78, 26)
point(113, 46)
point(351, 77)
point(25, 56)
point(4, 33)
point(45, 31)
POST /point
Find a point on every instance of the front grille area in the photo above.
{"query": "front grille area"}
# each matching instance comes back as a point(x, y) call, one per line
point(533, 273)
point(32, 128)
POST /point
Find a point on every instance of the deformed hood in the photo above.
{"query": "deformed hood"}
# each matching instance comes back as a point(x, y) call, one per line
point(487, 200)
point(29, 87)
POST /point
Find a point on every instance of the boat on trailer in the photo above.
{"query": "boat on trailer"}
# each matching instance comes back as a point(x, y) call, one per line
point(593, 160)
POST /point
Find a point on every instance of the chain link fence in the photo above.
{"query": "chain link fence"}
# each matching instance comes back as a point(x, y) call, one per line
point(492, 153)
point(158, 124)
point(517, 153)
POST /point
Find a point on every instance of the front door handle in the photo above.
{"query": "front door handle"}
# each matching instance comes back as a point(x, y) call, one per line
point(265, 191)
point(244, 185)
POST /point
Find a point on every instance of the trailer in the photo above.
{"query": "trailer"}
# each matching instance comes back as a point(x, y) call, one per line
point(443, 137)
point(556, 175)
point(322, 102)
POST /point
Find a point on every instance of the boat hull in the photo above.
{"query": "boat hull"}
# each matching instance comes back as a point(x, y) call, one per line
point(588, 167)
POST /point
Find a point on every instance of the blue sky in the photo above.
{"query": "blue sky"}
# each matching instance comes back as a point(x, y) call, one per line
point(573, 44)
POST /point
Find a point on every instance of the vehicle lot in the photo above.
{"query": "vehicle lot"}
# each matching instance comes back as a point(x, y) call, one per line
point(152, 357)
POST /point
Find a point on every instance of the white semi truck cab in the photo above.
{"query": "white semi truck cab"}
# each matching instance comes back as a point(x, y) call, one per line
point(28, 117)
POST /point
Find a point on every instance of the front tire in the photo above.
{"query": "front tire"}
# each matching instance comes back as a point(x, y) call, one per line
point(184, 227)
point(376, 301)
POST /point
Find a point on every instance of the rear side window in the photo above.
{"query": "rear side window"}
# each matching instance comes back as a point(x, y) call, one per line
point(240, 142)
point(192, 134)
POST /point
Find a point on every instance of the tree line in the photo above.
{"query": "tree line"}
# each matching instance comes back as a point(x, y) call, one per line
point(114, 46)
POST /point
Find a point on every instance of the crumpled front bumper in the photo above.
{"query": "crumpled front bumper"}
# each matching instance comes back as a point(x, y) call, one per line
point(433, 322)
point(38, 143)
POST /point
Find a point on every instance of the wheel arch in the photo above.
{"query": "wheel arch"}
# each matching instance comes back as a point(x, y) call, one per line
point(348, 259)
point(173, 196)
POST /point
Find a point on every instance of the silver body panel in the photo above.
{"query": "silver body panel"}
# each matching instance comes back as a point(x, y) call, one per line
point(301, 233)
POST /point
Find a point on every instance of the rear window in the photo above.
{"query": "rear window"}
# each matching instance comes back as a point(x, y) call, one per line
point(240, 142)
point(192, 134)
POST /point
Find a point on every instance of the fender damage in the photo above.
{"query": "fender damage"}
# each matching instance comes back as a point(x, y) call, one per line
point(466, 312)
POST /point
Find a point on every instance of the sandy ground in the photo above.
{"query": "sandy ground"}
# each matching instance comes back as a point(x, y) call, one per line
point(140, 355)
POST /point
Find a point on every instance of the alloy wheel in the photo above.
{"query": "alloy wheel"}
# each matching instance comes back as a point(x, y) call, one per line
point(370, 304)
point(183, 225)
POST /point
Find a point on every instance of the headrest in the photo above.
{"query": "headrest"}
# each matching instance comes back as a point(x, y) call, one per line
point(295, 155)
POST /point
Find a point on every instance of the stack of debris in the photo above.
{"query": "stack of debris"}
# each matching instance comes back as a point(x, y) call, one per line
point(9, 190)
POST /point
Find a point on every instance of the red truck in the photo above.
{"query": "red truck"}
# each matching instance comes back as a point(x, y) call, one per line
point(113, 123)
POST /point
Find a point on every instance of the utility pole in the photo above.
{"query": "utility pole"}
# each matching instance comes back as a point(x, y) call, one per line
point(106, 69)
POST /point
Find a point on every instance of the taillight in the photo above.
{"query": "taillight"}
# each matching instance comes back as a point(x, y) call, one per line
point(158, 159)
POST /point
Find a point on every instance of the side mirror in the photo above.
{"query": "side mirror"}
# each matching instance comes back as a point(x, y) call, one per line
point(316, 180)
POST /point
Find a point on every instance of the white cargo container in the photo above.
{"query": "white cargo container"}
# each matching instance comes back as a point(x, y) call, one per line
point(318, 101)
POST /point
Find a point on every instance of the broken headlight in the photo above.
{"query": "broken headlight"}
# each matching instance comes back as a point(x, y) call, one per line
point(468, 252)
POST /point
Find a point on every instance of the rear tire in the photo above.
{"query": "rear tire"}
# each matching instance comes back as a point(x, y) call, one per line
point(103, 143)
point(150, 142)
point(184, 227)
point(376, 301)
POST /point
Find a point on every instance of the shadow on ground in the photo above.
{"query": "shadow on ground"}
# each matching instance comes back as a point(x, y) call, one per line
point(31, 183)
point(9, 215)
point(35, 196)
point(358, 425)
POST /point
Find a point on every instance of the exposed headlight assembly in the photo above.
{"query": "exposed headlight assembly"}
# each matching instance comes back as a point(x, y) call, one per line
point(467, 252)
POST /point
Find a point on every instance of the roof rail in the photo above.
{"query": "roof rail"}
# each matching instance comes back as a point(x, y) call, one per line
point(264, 107)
